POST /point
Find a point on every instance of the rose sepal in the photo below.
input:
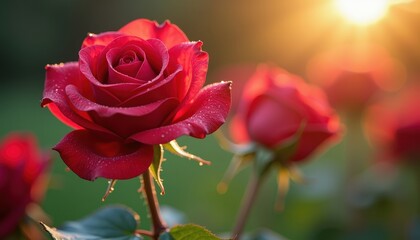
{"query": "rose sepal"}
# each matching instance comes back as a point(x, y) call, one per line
point(156, 166)
point(264, 160)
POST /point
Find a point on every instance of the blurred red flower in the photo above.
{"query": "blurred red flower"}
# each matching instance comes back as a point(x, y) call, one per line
point(353, 75)
point(21, 167)
point(132, 89)
point(393, 125)
point(276, 105)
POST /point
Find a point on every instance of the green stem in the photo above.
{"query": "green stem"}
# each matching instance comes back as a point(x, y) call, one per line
point(247, 202)
point(149, 191)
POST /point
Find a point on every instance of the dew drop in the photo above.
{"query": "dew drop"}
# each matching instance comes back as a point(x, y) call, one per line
point(110, 189)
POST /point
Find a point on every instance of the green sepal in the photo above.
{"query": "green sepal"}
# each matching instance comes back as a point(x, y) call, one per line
point(156, 166)
point(288, 148)
point(110, 223)
point(188, 231)
point(280, 155)
point(174, 148)
point(243, 155)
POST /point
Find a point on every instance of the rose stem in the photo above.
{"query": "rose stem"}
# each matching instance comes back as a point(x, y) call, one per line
point(149, 191)
point(247, 202)
point(144, 232)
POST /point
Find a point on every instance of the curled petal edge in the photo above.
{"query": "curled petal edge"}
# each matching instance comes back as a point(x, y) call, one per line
point(91, 155)
point(207, 112)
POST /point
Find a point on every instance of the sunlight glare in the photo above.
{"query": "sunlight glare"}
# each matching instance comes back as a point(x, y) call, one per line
point(363, 12)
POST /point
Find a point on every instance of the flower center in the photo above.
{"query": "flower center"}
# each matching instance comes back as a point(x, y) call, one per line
point(128, 57)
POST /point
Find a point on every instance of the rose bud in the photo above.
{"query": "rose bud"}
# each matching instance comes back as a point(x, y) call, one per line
point(132, 89)
point(21, 169)
point(277, 106)
point(393, 125)
point(280, 121)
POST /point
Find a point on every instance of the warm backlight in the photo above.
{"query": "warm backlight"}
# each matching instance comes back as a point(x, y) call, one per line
point(362, 12)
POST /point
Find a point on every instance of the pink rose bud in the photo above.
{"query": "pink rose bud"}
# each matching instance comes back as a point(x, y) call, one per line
point(132, 89)
point(277, 106)
point(21, 166)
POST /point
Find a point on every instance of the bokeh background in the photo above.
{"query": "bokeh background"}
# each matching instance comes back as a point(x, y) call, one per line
point(287, 33)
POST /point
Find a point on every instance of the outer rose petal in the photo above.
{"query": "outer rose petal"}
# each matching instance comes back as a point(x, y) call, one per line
point(270, 122)
point(54, 96)
point(92, 155)
point(312, 138)
point(206, 113)
point(168, 33)
point(100, 39)
point(120, 120)
point(194, 64)
point(238, 130)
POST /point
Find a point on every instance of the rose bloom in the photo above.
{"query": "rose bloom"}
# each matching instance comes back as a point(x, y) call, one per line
point(393, 125)
point(21, 170)
point(352, 76)
point(130, 90)
point(276, 105)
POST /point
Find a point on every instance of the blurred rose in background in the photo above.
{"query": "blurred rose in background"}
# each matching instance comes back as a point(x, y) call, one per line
point(276, 105)
point(353, 75)
point(393, 125)
point(22, 180)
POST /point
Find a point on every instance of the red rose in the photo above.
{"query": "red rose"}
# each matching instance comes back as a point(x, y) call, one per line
point(132, 89)
point(276, 105)
point(21, 165)
point(394, 125)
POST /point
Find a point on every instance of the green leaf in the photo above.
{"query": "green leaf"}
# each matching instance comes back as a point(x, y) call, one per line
point(174, 148)
point(156, 166)
point(188, 232)
point(110, 223)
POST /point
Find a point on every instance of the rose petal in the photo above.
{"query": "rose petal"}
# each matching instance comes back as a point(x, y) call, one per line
point(16, 198)
point(100, 39)
point(270, 121)
point(168, 33)
point(91, 155)
point(194, 64)
point(312, 138)
point(206, 113)
point(238, 130)
point(124, 121)
point(54, 96)
point(167, 89)
point(124, 73)
point(93, 66)
point(305, 105)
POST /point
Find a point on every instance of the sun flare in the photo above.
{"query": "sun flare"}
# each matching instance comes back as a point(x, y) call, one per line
point(363, 12)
